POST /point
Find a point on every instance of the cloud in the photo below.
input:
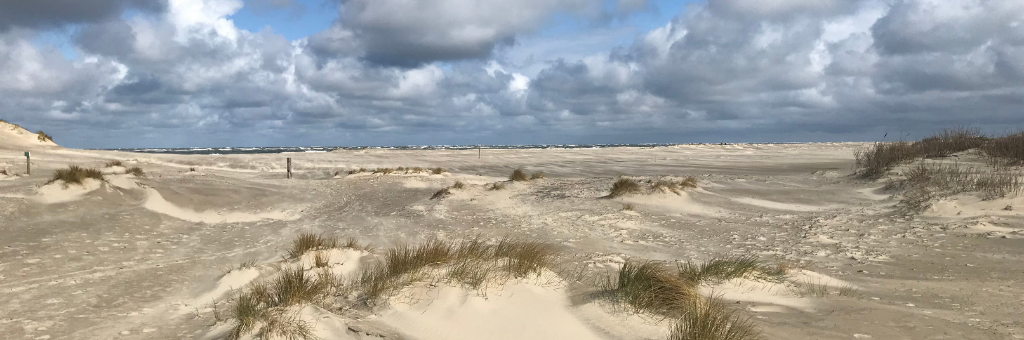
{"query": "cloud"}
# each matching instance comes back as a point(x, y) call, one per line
point(59, 13)
point(388, 73)
point(411, 33)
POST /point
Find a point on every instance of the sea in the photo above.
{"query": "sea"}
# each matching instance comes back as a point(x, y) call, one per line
point(282, 149)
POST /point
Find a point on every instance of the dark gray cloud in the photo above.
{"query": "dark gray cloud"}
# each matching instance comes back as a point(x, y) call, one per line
point(57, 13)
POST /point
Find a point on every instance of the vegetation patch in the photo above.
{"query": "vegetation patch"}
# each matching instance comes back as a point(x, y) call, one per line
point(444, 192)
point(472, 263)
point(43, 137)
point(518, 175)
point(712, 319)
point(114, 163)
point(75, 175)
point(625, 186)
point(497, 186)
point(926, 182)
point(136, 171)
point(727, 268)
point(307, 242)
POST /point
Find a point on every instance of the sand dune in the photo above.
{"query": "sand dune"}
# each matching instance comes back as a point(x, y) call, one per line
point(147, 257)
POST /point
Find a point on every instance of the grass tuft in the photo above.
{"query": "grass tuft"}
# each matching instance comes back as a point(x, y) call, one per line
point(876, 161)
point(651, 288)
point(444, 192)
point(628, 207)
point(137, 171)
point(458, 185)
point(309, 241)
point(264, 307)
point(43, 137)
point(625, 186)
point(497, 186)
point(1006, 150)
point(712, 319)
point(720, 269)
point(471, 262)
point(927, 182)
point(518, 175)
point(537, 175)
point(75, 175)
point(437, 171)
point(114, 163)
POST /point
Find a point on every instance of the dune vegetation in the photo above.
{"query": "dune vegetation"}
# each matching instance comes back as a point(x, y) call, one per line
point(75, 175)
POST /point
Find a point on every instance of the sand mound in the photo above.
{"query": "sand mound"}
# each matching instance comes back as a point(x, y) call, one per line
point(156, 203)
point(58, 192)
point(14, 137)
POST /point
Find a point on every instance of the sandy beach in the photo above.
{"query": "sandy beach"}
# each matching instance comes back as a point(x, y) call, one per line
point(151, 257)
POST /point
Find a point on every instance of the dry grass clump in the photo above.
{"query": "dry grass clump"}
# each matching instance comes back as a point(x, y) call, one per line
point(75, 175)
point(458, 185)
point(652, 288)
point(876, 161)
point(137, 171)
point(114, 163)
point(628, 207)
point(948, 142)
point(711, 319)
point(726, 268)
point(437, 171)
point(1006, 150)
point(444, 192)
point(4, 172)
point(518, 175)
point(537, 175)
point(497, 186)
point(625, 186)
point(927, 182)
point(471, 262)
point(43, 137)
point(265, 307)
point(384, 171)
point(675, 187)
point(356, 171)
point(309, 241)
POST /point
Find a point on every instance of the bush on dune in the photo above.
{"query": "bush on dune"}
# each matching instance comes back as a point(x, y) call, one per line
point(1006, 150)
point(75, 175)
point(518, 175)
point(625, 186)
point(136, 171)
point(114, 163)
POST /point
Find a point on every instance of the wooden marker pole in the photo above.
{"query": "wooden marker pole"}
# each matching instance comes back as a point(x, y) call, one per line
point(478, 153)
point(289, 167)
point(28, 162)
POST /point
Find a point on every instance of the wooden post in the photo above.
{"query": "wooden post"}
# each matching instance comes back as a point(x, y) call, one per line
point(28, 162)
point(478, 151)
point(289, 167)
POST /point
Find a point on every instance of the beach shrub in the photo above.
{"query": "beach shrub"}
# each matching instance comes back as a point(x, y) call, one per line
point(1006, 150)
point(437, 171)
point(876, 161)
point(75, 175)
point(948, 142)
point(441, 194)
point(114, 163)
point(625, 186)
point(137, 171)
point(458, 185)
point(537, 175)
point(43, 137)
point(518, 175)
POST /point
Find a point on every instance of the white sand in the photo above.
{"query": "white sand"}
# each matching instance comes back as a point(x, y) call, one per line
point(58, 192)
point(125, 258)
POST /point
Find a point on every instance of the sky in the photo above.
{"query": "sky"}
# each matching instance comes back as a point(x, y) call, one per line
point(205, 73)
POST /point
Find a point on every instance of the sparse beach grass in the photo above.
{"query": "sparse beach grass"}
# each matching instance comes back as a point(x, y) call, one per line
point(626, 186)
point(711, 319)
point(518, 175)
point(136, 171)
point(469, 262)
point(75, 175)
point(306, 242)
point(727, 268)
point(114, 163)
